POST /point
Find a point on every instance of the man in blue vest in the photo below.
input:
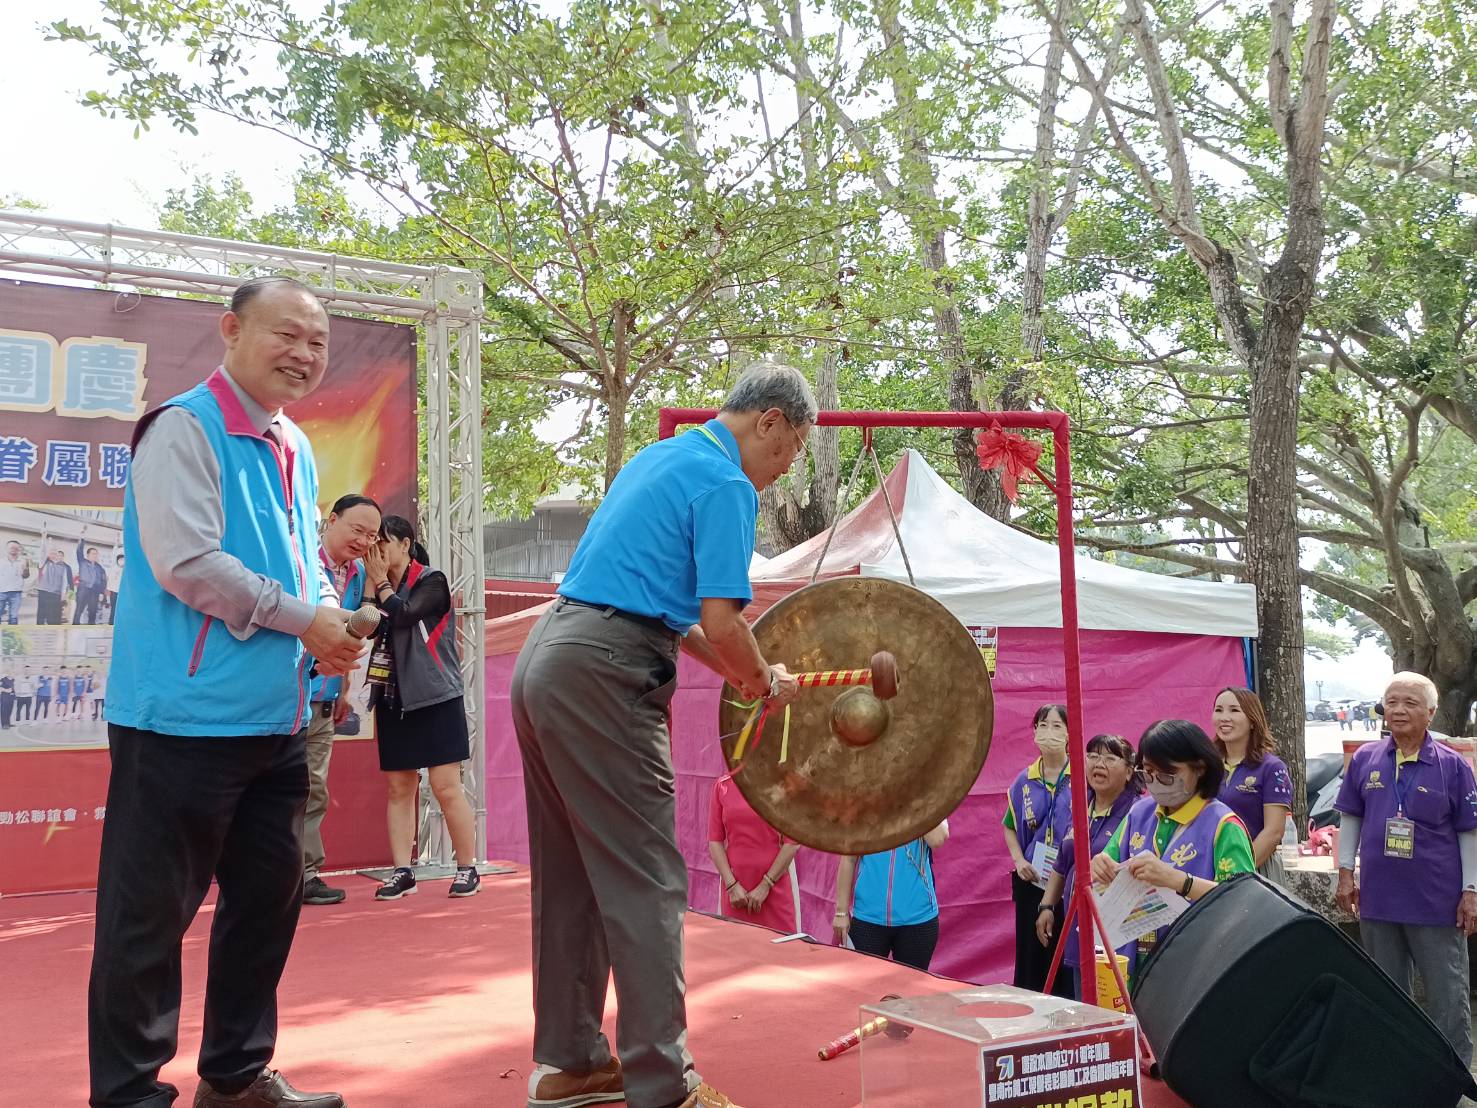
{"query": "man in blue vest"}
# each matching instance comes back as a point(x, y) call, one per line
point(222, 612)
point(353, 527)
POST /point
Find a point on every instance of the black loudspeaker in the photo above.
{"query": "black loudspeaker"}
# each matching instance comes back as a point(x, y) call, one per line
point(1253, 1000)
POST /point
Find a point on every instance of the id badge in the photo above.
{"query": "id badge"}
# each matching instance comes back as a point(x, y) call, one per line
point(1399, 838)
point(1043, 858)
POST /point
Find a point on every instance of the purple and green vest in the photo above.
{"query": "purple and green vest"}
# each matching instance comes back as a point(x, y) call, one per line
point(1102, 830)
point(1039, 814)
point(1191, 851)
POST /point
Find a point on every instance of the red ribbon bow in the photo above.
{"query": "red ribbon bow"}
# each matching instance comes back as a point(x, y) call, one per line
point(1014, 455)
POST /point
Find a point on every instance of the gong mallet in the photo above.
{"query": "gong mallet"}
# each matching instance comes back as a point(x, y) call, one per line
point(879, 1026)
point(881, 675)
point(858, 715)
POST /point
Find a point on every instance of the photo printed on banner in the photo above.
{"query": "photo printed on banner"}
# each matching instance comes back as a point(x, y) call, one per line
point(59, 577)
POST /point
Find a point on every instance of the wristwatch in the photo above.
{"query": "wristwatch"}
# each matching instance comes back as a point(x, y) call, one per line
point(1187, 886)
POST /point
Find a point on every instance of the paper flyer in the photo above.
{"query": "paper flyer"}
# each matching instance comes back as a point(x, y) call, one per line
point(1130, 908)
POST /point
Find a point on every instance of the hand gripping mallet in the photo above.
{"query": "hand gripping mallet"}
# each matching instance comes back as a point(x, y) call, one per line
point(857, 718)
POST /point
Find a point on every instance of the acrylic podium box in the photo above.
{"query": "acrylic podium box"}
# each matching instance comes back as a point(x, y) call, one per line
point(998, 1047)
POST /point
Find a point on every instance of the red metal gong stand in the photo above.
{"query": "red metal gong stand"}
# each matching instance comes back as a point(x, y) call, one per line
point(1059, 426)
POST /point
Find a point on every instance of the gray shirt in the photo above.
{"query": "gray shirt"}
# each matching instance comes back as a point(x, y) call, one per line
point(54, 577)
point(176, 481)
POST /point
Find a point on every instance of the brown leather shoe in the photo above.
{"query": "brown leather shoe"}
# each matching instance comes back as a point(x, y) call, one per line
point(268, 1091)
point(705, 1096)
point(571, 1090)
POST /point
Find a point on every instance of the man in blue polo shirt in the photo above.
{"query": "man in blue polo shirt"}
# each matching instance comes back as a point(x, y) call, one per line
point(664, 563)
point(1409, 811)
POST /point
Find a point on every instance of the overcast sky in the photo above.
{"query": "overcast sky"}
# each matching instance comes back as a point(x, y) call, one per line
point(80, 165)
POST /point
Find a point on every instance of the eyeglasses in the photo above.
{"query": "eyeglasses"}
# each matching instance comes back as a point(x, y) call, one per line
point(1165, 779)
point(1103, 758)
point(799, 442)
point(364, 534)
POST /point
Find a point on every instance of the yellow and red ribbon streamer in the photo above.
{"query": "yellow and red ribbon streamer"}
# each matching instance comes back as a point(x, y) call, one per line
point(759, 710)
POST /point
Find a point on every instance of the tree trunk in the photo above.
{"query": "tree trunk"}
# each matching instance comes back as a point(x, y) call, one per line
point(790, 520)
point(1272, 558)
point(918, 184)
point(1454, 707)
point(617, 400)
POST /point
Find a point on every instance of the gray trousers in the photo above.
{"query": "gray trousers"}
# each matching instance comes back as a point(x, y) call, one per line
point(320, 749)
point(589, 696)
point(1440, 954)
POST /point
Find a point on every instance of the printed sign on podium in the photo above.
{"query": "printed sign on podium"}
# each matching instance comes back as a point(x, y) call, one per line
point(1000, 1047)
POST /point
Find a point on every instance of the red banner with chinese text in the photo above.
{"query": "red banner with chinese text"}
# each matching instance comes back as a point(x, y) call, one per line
point(78, 367)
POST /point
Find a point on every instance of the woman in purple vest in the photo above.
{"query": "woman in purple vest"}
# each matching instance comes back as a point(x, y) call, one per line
point(1257, 786)
point(1179, 837)
point(1038, 815)
point(1115, 785)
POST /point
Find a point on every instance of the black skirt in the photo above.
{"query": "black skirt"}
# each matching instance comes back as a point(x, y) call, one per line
point(432, 736)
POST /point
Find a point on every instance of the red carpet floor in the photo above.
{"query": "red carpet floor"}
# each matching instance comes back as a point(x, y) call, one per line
point(425, 1002)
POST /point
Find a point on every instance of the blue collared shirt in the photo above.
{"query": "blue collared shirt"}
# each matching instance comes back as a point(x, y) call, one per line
point(675, 528)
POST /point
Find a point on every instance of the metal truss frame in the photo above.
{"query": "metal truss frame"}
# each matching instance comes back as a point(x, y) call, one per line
point(444, 302)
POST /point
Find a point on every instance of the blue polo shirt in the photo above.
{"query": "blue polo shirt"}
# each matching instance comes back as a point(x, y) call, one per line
point(676, 527)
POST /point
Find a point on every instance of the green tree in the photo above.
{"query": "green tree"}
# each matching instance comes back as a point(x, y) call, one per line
point(569, 160)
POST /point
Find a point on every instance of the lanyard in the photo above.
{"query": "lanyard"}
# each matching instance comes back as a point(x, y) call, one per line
point(1051, 808)
point(1402, 784)
point(702, 429)
point(1095, 822)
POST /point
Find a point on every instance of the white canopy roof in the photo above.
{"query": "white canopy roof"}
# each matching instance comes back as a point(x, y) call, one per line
point(989, 574)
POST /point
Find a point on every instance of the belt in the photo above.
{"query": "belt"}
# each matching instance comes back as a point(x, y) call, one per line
point(651, 623)
point(327, 705)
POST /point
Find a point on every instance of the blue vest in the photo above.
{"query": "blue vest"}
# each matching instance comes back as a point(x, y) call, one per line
point(895, 888)
point(330, 688)
point(179, 672)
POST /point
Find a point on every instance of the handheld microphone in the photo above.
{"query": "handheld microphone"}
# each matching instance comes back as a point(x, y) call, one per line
point(363, 622)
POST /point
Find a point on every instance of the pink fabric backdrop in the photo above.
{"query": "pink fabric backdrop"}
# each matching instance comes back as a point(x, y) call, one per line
point(1129, 680)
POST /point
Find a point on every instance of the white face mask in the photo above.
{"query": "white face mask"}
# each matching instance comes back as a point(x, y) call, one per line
point(1050, 744)
point(1170, 797)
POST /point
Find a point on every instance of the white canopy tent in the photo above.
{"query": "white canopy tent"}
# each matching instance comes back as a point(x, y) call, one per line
point(987, 572)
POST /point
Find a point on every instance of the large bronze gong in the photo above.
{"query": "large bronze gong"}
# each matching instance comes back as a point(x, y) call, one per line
point(862, 774)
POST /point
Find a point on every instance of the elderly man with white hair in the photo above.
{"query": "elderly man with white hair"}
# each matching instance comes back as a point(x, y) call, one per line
point(1409, 808)
point(663, 565)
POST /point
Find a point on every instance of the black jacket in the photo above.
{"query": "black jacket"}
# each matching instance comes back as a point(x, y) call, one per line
point(422, 630)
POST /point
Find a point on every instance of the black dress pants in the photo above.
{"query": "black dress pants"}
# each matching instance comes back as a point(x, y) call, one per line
point(181, 811)
point(1032, 960)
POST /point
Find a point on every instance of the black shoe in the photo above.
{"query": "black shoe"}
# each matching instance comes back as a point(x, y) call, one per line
point(269, 1090)
point(401, 883)
point(467, 881)
point(316, 891)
